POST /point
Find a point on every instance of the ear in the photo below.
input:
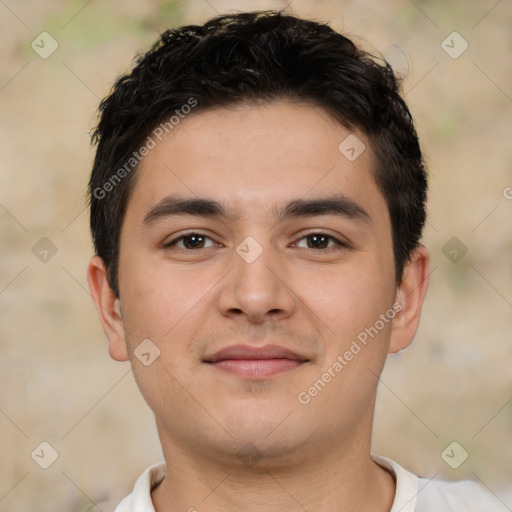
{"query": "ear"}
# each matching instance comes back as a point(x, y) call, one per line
point(410, 295)
point(108, 307)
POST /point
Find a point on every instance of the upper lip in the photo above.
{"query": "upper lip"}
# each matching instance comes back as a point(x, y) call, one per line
point(244, 352)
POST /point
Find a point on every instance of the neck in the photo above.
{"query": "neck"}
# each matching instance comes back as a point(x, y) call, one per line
point(343, 478)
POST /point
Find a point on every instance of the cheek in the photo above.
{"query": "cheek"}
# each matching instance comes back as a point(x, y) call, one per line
point(166, 309)
point(165, 305)
point(347, 299)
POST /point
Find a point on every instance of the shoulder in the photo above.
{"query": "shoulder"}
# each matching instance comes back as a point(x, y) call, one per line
point(140, 498)
point(416, 494)
point(463, 496)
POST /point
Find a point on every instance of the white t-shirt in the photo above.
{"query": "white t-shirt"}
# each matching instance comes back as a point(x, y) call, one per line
point(413, 494)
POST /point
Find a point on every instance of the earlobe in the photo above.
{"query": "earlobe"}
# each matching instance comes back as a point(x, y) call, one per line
point(410, 294)
point(108, 307)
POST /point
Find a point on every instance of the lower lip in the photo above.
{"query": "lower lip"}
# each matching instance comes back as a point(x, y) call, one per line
point(257, 368)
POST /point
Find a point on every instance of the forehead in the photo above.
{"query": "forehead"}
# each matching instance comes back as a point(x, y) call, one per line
point(252, 158)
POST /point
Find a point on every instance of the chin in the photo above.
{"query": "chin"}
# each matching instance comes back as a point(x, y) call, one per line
point(265, 440)
point(258, 452)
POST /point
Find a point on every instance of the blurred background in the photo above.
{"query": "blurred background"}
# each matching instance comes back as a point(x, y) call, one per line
point(58, 386)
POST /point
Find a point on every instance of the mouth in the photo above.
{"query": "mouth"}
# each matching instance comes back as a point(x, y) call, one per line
point(255, 362)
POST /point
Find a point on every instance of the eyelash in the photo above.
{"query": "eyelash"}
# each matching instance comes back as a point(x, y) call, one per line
point(339, 243)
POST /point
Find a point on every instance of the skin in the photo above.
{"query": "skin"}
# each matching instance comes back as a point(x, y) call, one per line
point(312, 298)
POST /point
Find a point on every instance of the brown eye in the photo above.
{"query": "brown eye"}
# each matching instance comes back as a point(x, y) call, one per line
point(190, 241)
point(317, 241)
point(193, 241)
point(321, 241)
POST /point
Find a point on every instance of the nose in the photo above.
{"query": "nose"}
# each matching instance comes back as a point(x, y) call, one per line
point(259, 289)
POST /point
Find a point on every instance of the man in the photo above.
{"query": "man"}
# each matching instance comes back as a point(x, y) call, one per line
point(257, 203)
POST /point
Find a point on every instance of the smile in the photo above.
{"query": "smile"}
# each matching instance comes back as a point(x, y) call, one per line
point(256, 362)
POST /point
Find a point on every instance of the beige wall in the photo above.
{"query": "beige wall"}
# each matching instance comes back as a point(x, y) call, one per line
point(57, 383)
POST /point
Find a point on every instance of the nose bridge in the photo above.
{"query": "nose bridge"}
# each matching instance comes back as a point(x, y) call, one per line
point(255, 285)
point(253, 263)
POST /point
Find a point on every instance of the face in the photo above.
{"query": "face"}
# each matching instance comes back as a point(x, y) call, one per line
point(256, 262)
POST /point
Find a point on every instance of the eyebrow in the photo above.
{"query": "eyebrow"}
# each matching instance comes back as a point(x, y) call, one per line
point(338, 205)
